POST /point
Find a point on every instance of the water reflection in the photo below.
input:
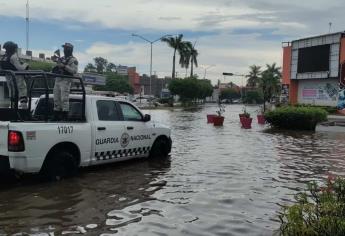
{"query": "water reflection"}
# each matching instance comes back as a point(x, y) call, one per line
point(80, 201)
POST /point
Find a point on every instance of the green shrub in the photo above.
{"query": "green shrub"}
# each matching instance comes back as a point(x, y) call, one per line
point(320, 211)
point(253, 97)
point(296, 118)
point(41, 65)
point(330, 110)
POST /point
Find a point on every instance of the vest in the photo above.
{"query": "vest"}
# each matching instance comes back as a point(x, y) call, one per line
point(57, 70)
point(5, 64)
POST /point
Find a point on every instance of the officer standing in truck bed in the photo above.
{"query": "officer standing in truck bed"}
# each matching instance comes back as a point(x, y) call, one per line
point(10, 61)
point(67, 65)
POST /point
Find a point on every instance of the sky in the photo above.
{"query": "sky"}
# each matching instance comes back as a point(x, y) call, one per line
point(230, 35)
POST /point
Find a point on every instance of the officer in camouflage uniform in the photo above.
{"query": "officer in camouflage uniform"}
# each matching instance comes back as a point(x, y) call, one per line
point(10, 61)
point(67, 65)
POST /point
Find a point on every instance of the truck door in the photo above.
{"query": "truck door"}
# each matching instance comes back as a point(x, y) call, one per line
point(108, 129)
point(139, 133)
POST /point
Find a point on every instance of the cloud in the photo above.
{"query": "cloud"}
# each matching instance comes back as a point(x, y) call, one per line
point(237, 33)
point(229, 53)
point(167, 18)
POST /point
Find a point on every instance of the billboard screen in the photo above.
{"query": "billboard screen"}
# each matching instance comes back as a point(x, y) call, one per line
point(313, 59)
point(93, 79)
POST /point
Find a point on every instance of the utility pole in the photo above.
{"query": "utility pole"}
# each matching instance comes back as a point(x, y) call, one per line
point(206, 68)
point(151, 44)
point(27, 24)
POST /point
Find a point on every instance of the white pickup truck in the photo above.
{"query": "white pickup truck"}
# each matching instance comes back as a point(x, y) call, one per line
point(112, 130)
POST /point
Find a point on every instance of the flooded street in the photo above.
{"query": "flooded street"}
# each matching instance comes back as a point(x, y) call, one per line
point(218, 181)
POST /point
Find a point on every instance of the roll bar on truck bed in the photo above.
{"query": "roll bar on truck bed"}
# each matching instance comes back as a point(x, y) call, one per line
point(13, 113)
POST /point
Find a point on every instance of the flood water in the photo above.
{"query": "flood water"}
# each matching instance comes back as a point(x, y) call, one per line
point(217, 181)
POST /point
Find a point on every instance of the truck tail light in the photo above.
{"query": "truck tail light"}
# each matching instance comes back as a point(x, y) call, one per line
point(15, 141)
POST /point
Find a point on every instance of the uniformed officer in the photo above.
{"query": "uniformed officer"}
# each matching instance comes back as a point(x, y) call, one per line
point(67, 65)
point(10, 61)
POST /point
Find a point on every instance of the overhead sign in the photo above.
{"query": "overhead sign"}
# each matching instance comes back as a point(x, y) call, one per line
point(93, 79)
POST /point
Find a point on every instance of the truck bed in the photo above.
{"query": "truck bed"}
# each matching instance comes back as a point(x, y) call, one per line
point(10, 114)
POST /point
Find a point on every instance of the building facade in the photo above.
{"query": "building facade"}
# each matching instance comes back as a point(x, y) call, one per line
point(157, 85)
point(134, 79)
point(122, 70)
point(312, 70)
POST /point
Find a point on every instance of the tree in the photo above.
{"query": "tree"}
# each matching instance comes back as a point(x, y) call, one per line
point(115, 83)
point(188, 56)
point(270, 82)
point(185, 56)
point(230, 94)
point(190, 89)
point(111, 67)
point(253, 76)
point(193, 53)
point(205, 89)
point(101, 64)
point(252, 97)
point(175, 43)
point(90, 68)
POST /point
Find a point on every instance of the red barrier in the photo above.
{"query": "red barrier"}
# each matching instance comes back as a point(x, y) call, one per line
point(210, 118)
point(261, 119)
point(218, 120)
point(246, 122)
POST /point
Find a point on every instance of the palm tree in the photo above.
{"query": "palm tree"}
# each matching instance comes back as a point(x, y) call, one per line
point(185, 56)
point(270, 82)
point(189, 56)
point(177, 44)
point(193, 58)
point(253, 76)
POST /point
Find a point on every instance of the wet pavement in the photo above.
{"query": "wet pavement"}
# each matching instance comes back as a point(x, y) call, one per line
point(217, 181)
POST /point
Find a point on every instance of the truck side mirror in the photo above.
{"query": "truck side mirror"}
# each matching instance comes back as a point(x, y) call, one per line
point(147, 118)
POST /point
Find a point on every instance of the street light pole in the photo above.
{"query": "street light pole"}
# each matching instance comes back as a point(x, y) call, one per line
point(151, 69)
point(206, 68)
point(151, 45)
point(27, 19)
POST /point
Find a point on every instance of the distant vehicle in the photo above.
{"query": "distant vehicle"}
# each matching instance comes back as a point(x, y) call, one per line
point(122, 97)
point(141, 100)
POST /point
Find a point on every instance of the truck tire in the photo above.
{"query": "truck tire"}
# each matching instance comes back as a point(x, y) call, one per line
point(61, 164)
point(160, 148)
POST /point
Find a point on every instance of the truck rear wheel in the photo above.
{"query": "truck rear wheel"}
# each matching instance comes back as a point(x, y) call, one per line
point(160, 148)
point(59, 165)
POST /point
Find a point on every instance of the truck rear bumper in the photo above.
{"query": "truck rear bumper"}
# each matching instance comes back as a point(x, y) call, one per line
point(4, 165)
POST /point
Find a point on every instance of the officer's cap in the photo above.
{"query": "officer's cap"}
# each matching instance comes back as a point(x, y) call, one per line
point(67, 45)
